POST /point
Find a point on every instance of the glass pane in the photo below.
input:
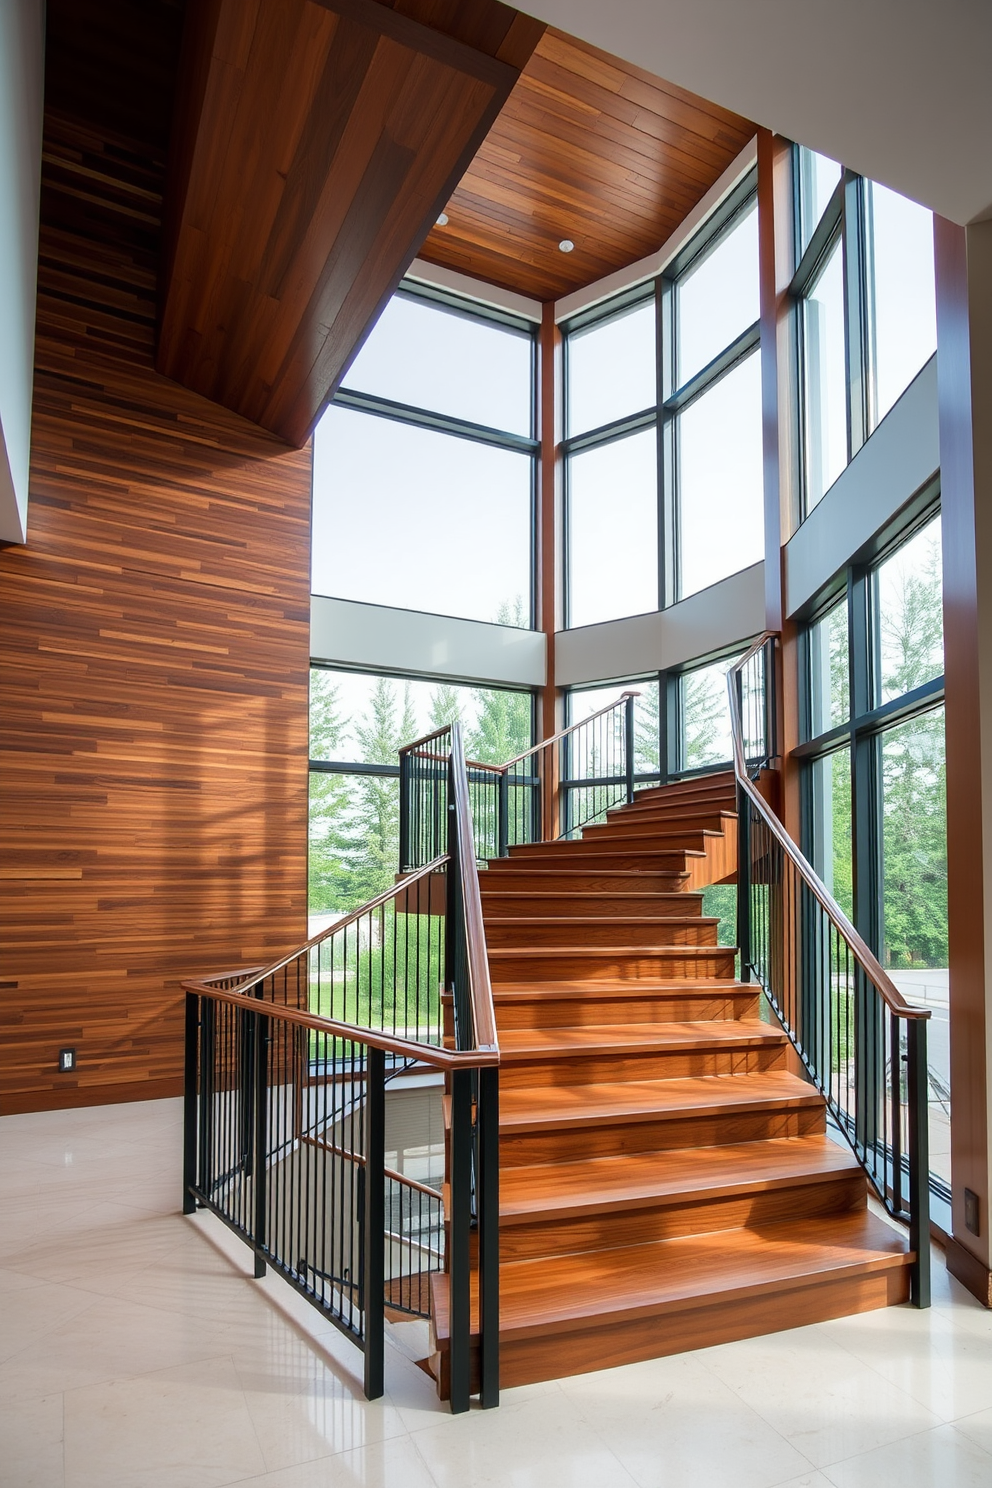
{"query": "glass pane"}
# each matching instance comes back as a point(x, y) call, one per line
point(431, 357)
point(613, 530)
point(362, 717)
point(825, 378)
point(914, 889)
point(354, 843)
point(832, 838)
point(902, 299)
point(720, 476)
point(647, 755)
point(816, 178)
point(412, 518)
point(910, 648)
point(705, 716)
point(611, 369)
point(718, 298)
point(830, 671)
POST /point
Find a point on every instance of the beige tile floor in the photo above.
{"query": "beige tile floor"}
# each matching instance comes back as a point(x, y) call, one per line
point(137, 1352)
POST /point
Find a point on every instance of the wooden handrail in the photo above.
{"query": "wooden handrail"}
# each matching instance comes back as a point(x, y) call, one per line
point(553, 739)
point(480, 983)
point(372, 1038)
point(862, 953)
point(256, 974)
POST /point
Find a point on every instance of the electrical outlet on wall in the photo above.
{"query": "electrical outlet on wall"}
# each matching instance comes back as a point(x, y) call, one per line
point(67, 1061)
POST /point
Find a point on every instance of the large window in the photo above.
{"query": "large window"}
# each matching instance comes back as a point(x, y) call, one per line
point(875, 822)
point(663, 463)
point(358, 723)
point(864, 285)
point(424, 466)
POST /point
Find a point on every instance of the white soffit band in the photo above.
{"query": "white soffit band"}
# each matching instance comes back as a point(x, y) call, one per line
point(727, 612)
point(344, 632)
point(475, 289)
point(900, 458)
point(648, 268)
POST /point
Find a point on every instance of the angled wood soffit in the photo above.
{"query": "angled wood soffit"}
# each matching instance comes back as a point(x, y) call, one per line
point(314, 144)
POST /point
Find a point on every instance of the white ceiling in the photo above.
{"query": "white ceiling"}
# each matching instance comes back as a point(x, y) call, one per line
point(898, 90)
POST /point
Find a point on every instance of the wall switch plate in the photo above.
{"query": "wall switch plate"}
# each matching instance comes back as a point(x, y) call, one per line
point(971, 1212)
point(67, 1061)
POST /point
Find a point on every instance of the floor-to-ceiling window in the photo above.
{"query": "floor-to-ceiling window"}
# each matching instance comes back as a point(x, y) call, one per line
point(424, 465)
point(866, 321)
point(874, 783)
point(663, 470)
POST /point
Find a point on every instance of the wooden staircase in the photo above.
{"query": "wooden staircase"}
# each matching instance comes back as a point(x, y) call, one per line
point(666, 1181)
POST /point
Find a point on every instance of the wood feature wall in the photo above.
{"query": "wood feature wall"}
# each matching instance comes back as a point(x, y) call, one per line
point(589, 148)
point(315, 144)
point(155, 665)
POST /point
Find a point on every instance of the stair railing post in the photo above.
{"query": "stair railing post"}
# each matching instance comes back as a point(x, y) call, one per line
point(190, 1068)
point(744, 881)
point(919, 1160)
point(405, 860)
point(487, 1204)
point(260, 1138)
point(628, 734)
point(459, 1298)
point(374, 1223)
point(503, 842)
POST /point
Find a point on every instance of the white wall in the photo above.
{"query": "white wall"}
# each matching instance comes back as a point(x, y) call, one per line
point(22, 79)
point(383, 639)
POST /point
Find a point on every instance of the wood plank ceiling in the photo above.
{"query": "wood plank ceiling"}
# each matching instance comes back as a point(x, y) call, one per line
point(587, 148)
point(314, 143)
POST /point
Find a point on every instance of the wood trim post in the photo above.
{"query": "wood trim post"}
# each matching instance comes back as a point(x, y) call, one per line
point(550, 617)
point(963, 262)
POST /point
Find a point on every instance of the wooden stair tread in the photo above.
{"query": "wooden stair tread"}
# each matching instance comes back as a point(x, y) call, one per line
point(506, 953)
point(669, 896)
point(567, 1293)
point(643, 987)
point(565, 920)
point(516, 865)
point(635, 1038)
point(552, 1107)
point(612, 1184)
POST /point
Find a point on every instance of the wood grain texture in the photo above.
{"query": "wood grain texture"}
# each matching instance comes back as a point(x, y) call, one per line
point(316, 141)
point(590, 148)
point(155, 667)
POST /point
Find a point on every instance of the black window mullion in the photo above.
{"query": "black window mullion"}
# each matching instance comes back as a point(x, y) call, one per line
point(855, 314)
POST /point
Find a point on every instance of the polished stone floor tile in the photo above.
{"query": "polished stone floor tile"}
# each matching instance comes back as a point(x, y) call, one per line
point(138, 1351)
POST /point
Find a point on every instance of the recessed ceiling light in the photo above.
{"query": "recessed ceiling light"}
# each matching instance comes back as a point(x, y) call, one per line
point(442, 221)
point(566, 245)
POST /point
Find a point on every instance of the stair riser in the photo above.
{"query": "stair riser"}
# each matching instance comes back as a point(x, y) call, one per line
point(556, 1235)
point(705, 801)
point(572, 966)
point(574, 933)
point(609, 857)
point(572, 1143)
point(657, 907)
point(524, 1361)
point(664, 830)
point(512, 877)
point(678, 790)
point(587, 1010)
point(595, 1069)
point(575, 852)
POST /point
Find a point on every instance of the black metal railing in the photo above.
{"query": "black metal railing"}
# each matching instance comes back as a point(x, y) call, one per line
point(287, 1069)
point(862, 1045)
point(549, 791)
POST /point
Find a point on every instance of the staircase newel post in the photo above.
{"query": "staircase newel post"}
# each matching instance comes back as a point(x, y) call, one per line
point(919, 1160)
point(503, 843)
point(261, 1138)
point(628, 731)
point(405, 861)
point(744, 881)
point(487, 1202)
point(190, 1069)
point(374, 1226)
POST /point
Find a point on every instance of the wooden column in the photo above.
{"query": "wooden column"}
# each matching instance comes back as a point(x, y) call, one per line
point(964, 371)
point(779, 425)
point(550, 617)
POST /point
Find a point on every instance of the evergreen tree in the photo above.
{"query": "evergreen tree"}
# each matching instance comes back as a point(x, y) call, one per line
point(330, 841)
point(380, 735)
point(446, 706)
point(647, 739)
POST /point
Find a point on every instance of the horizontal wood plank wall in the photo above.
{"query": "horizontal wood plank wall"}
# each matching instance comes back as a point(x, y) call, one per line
point(155, 666)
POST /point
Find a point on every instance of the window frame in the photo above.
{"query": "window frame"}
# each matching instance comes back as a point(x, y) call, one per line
point(671, 400)
point(374, 405)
